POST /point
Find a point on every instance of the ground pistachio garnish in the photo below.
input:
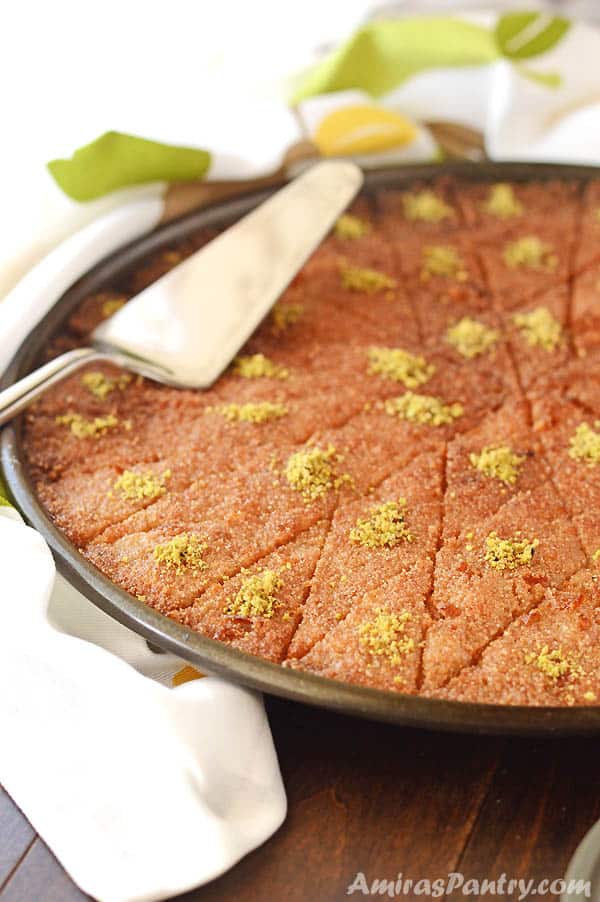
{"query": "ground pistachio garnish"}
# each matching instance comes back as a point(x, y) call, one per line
point(596, 555)
point(134, 486)
point(312, 472)
point(443, 260)
point(100, 385)
point(111, 306)
point(182, 552)
point(356, 278)
point(425, 409)
point(508, 554)
point(554, 663)
point(385, 526)
point(529, 251)
point(399, 366)
point(501, 202)
point(471, 338)
point(257, 366)
point(251, 412)
point(425, 206)
point(257, 596)
point(539, 328)
point(498, 462)
point(82, 428)
point(585, 444)
point(285, 315)
point(384, 636)
point(350, 227)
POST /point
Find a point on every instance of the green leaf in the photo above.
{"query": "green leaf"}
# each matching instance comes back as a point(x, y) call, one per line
point(382, 55)
point(522, 35)
point(115, 160)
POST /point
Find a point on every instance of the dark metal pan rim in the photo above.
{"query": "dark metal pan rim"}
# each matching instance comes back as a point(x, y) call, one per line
point(211, 655)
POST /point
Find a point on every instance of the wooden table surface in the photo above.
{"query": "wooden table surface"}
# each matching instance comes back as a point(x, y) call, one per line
point(382, 800)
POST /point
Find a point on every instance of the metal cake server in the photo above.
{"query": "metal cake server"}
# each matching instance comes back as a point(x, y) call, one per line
point(186, 327)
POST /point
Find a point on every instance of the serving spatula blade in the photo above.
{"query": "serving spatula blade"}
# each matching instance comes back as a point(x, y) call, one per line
point(193, 320)
point(186, 327)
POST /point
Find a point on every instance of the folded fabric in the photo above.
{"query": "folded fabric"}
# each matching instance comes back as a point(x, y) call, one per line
point(142, 791)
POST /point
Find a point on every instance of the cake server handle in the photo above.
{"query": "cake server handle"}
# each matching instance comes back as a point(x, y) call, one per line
point(15, 398)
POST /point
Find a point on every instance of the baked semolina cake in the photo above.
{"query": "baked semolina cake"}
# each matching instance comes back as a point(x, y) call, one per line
point(397, 481)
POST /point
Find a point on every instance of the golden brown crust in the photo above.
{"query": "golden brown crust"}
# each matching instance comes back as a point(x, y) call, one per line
point(309, 510)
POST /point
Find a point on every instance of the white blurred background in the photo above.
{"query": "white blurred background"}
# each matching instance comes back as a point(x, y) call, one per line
point(70, 71)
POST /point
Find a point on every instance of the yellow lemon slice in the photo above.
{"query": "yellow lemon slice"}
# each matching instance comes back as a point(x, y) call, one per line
point(362, 129)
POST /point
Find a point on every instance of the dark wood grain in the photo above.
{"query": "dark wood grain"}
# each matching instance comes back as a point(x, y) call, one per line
point(16, 835)
point(39, 877)
point(384, 800)
point(543, 799)
point(362, 796)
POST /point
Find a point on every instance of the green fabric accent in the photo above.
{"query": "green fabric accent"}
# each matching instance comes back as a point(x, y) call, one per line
point(4, 502)
point(115, 160)
point(547, 79)
point(382, 55)
point(523, 35)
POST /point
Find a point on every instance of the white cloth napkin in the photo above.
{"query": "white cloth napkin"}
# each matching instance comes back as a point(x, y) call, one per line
point(141, 790)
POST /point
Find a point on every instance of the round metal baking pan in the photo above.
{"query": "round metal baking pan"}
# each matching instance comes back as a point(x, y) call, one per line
point(208, 654)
